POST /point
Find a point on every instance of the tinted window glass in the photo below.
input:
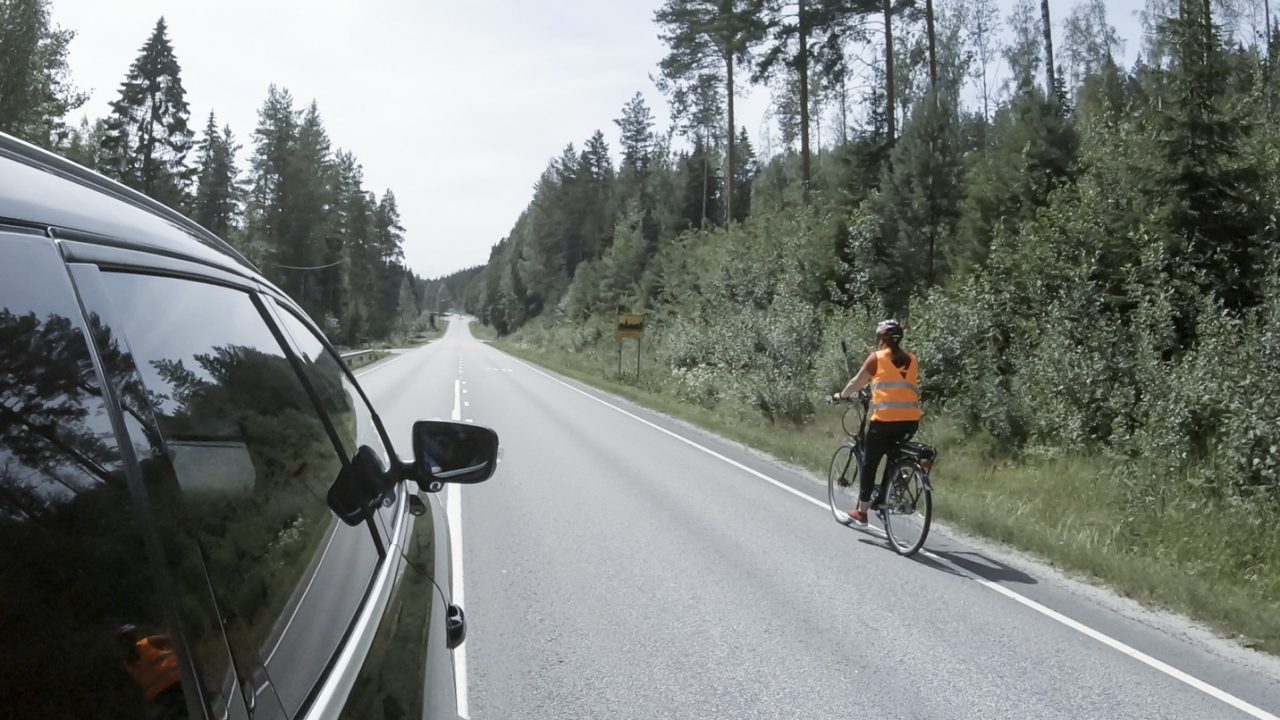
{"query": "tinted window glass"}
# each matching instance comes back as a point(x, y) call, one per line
point(81, 627)
point(254, 463)
point(351, 416)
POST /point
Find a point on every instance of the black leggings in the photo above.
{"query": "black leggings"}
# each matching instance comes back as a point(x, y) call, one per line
point(881, 437)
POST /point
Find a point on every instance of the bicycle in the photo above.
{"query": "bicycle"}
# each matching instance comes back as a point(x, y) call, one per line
point(907, 512)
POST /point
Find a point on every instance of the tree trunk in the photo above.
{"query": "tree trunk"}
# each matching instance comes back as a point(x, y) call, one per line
point(888, 69)
point(933, 49)
point(1052, 86)
point(1266, 17)
point(706, 182)
point(802, 67)
point(728, 160)
point(844, 109)
point(1266, 66)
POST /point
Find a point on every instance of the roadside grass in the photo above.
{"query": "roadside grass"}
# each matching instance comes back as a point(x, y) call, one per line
point(426, 336)
point(1206, 559)
point(483, 332)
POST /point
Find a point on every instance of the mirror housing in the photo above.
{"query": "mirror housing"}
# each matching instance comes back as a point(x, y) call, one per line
point(358, 491)
point(453, 452)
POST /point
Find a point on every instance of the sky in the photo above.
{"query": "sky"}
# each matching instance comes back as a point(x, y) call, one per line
point(455, 106)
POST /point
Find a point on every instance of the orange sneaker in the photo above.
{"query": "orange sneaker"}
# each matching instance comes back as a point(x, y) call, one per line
point(858, 517)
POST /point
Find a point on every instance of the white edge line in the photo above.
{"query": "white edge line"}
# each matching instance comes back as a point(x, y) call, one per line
point(1107, 640)
point(453, 509)
point(379, 366)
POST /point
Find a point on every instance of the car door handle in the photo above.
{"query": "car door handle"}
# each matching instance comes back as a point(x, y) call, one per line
point(455, 622)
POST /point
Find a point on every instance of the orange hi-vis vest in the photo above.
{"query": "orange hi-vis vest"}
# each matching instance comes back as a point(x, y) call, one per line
point(156, 668)
point(895, 394)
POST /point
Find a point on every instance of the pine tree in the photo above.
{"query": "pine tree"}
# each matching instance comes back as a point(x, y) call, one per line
point(1046, 29)
point(708, 39)
point(217, 199)
point(147, 139)
point(791, 54)
point(35, 87)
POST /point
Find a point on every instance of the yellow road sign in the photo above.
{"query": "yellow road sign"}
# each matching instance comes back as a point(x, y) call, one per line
point(630, 325)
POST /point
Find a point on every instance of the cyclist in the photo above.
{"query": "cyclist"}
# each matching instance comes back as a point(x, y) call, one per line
point(895, 408)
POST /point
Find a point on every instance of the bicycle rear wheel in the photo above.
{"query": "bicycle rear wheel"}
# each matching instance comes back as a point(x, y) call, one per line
point(842, 482)
point(908, 511)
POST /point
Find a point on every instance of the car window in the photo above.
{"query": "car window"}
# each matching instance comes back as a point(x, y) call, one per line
point(82, 625)
point(351, 416)
point(254, 462)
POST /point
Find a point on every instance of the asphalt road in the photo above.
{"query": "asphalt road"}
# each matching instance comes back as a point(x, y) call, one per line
point(623, 565)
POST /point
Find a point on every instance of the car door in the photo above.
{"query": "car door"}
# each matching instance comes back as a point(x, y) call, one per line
point(253, 456)
point(89, 621)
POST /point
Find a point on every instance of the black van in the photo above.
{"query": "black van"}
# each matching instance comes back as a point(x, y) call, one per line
point(201, 515)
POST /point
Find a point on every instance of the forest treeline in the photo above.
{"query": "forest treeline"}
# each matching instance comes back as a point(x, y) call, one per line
point(298, 208)
point(1083, 253)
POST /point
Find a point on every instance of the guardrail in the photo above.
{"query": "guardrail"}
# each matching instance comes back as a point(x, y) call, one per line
point(359, 358)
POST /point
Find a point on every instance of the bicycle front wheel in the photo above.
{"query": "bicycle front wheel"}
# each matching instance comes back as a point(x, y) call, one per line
point(908, 511)
point(842, 482)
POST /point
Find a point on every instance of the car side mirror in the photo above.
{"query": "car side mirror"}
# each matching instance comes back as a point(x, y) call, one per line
point(454, 452)
point(358, 490)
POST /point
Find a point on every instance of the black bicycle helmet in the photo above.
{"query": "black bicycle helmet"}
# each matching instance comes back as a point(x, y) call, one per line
point(889, 330)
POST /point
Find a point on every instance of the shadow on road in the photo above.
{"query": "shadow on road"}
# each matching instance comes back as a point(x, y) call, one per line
point(971, 561)
point(983, 566)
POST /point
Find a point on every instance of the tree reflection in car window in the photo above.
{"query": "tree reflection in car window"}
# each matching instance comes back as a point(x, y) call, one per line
point(254, 463)
point(77, 585)
point(352, 418)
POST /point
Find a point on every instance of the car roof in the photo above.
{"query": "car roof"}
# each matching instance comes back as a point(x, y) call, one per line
point(39, 188)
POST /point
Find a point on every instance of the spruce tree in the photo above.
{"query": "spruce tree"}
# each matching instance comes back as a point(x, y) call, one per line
point(1205, 183)
point(744, 175)
point(217, 199)
point(920, 204)
point(1033, 153)
point(406, 306)
point(636, 130)
point(147, 138)
point(595, 169)
point(702, 188)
